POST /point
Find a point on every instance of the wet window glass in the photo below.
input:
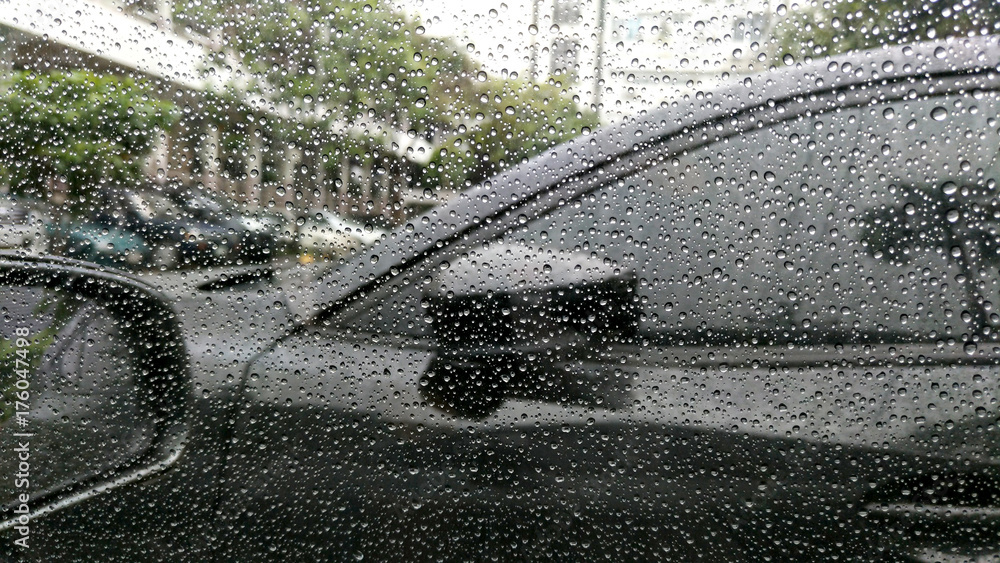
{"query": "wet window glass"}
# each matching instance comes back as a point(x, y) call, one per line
point(327, 280)
point(871, 224)
point(69, 393)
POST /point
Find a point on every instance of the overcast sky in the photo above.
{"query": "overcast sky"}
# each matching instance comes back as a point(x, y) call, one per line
point(497, 30)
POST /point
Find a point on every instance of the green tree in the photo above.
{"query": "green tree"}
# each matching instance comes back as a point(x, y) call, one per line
point(356, 72)
point(346, 61)
point(76, 126)
point(503, 125)
point(830, 27)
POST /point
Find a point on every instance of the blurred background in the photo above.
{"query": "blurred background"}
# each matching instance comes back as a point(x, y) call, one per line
point(160, 134)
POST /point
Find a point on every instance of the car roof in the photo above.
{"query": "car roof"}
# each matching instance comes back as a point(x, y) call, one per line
point(524, 182)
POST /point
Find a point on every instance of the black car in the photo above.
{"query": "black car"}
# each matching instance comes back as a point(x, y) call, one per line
point(254, 235)
point(757, 325)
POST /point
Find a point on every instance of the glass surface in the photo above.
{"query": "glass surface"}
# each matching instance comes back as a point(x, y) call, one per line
point(509, 280)
point(71, 409)
point(862, 225)
point(796, 297)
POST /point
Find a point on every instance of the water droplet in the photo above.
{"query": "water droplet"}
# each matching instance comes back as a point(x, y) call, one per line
point(939, 114)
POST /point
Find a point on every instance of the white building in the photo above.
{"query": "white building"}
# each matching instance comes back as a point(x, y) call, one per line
point(655, 55)
point(643, 53)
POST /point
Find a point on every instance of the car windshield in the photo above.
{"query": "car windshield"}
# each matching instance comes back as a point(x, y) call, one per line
point(626, 280)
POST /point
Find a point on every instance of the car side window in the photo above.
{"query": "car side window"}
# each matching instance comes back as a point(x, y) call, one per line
point(866, 224)
point(872, 224)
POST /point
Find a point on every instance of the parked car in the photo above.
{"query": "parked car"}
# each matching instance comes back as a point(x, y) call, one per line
point(173, 234)
point(281, 227)
point(22, 226)
point(254, 237)
point(324, 233)
point(107, 246)
point(759, 324)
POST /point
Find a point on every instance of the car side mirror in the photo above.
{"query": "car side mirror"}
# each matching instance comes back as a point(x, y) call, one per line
point(516, 322)
point(93, 386)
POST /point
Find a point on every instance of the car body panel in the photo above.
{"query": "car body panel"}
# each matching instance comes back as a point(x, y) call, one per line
point(351, 438)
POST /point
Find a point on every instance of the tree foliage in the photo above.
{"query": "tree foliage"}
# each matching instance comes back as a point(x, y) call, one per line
point(345, 57)
point(79, 127)
point(505, 124)
point(827, 27)
point(366, 71)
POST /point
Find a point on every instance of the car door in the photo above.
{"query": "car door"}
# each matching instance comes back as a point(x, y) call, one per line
point(810, 371)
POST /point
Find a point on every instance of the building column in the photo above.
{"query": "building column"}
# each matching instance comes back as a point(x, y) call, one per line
point(309, 179)
point(345, 182)
point(253, 190)
point(208, 154)
point(287, 165)
point(317, 173)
